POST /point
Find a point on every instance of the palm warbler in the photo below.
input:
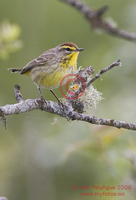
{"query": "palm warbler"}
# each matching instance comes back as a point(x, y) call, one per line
point(50, 67)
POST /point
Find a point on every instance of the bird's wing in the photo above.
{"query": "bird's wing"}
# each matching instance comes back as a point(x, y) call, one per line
point(42, 60)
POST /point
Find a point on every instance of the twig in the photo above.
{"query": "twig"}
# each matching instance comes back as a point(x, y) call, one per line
point(95, 18)
point(17, 93)
point(114, 64)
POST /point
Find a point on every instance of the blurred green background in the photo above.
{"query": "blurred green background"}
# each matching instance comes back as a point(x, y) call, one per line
point(43, 155)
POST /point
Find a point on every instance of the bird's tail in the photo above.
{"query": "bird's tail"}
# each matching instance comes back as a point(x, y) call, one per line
point(14, 70)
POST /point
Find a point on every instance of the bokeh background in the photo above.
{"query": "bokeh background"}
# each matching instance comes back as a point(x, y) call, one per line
point(43, 155)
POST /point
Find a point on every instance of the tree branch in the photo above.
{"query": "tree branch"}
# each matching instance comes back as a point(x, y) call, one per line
point(95, 18)
point(54, 108)
point(65, 110)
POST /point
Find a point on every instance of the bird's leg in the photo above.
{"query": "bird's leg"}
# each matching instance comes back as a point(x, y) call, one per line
point(42, 99)
point(39, 90)
point(57, 98)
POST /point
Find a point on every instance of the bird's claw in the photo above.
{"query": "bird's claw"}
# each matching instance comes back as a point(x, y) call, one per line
point(42, 102)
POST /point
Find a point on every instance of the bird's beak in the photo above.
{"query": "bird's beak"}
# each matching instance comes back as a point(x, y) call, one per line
point(80, 49)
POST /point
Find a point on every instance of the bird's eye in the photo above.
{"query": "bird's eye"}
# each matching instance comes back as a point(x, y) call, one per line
point(68, 49)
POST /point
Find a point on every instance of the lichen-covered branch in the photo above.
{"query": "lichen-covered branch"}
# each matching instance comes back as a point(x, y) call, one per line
point(83, 85)
point(67, 110)
point(95, 18)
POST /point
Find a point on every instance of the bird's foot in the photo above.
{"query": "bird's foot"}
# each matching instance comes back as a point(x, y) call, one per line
point(42, 102)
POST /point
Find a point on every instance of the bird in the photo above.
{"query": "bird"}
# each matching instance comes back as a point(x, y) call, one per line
point(47, 70)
